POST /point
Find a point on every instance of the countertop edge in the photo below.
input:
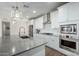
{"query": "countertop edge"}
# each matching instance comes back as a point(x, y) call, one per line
point(28, 49)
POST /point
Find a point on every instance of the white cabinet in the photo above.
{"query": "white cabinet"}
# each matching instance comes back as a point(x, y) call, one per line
point(68, 12)
point(63, 13)
point(54, 42)
point(54, 19)
point(73, 11)
point(45, 18)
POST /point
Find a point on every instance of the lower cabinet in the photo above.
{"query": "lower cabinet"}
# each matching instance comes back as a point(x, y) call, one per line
point(53, 42)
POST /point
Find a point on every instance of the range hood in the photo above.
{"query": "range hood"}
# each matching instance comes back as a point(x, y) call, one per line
point(46, 29)
point(47, 25)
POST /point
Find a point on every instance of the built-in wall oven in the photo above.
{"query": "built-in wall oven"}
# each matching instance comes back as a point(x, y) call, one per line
point(68, 38)
point(69, 45)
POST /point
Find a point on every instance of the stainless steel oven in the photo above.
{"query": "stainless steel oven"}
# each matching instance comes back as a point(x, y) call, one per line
point(69, 37)
point(69, 45)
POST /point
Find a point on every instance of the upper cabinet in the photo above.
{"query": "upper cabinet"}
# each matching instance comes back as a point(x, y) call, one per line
point(68, 12)
point(63, 13)
point(54, 19)
point(73, 11)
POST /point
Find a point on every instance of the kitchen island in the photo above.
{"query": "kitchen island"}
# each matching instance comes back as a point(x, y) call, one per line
point(53, 43)
point(22, 47)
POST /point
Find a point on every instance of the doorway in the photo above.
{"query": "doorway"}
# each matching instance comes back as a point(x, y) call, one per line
point(31, 30)
point(5, 30)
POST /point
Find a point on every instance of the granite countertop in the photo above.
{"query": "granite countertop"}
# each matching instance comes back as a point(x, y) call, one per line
point(14, 45)
point(66, 52)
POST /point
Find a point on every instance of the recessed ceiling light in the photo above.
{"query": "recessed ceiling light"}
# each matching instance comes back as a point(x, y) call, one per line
point(34, 11)
point(26, 6)
point(13, 21)
point(27, 16)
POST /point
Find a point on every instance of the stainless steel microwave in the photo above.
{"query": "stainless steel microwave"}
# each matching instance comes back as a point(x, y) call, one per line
point(68, 29)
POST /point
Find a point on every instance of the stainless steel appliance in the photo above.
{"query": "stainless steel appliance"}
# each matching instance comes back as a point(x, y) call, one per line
point(69, 29)
point(70, 45)
point(69, 37)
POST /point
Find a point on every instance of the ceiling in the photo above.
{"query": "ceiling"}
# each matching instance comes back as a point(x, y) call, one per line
point(28, 7)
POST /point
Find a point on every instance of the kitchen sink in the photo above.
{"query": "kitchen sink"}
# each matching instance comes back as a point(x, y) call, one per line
point(24, 37)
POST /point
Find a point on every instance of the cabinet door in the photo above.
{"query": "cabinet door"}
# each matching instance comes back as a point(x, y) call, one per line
point(63, 13)
point(54, 19)
point(54, 42)
point(73, 11)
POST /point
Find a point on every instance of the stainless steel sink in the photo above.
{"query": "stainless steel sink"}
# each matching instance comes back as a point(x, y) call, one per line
point(24, 37)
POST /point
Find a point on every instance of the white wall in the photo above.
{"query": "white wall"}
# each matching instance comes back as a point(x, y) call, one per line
point(54, 19)
point(15, 27)
point(5, 14)
point(39, 23)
